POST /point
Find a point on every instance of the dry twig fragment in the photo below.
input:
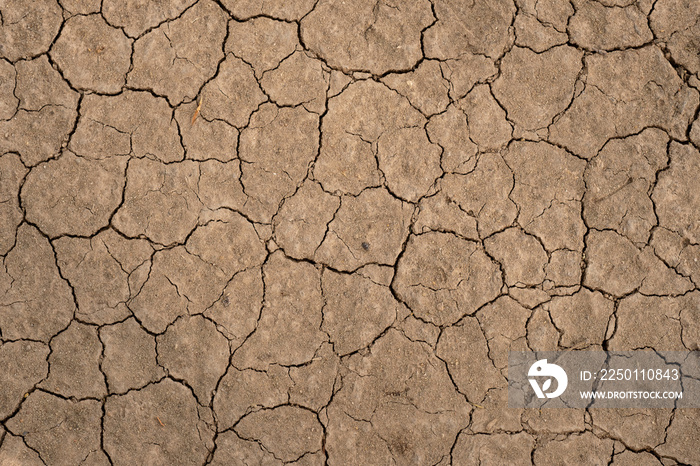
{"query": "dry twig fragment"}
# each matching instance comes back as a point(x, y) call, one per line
point(196, 112)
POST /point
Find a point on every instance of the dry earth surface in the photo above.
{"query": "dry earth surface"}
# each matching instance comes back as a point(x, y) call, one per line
point(309, 232)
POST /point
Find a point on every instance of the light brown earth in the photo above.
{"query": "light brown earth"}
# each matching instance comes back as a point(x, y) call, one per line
point(309, 232)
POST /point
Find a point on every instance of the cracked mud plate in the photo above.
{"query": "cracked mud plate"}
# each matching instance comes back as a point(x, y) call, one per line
point(309, 232)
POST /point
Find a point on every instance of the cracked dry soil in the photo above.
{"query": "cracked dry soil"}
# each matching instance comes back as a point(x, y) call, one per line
point(309, 232)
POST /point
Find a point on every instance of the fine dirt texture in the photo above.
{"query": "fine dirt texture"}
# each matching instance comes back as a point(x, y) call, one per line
point(238, 232)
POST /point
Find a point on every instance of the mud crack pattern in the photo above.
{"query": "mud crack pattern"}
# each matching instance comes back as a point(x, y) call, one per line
point(309, 232)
